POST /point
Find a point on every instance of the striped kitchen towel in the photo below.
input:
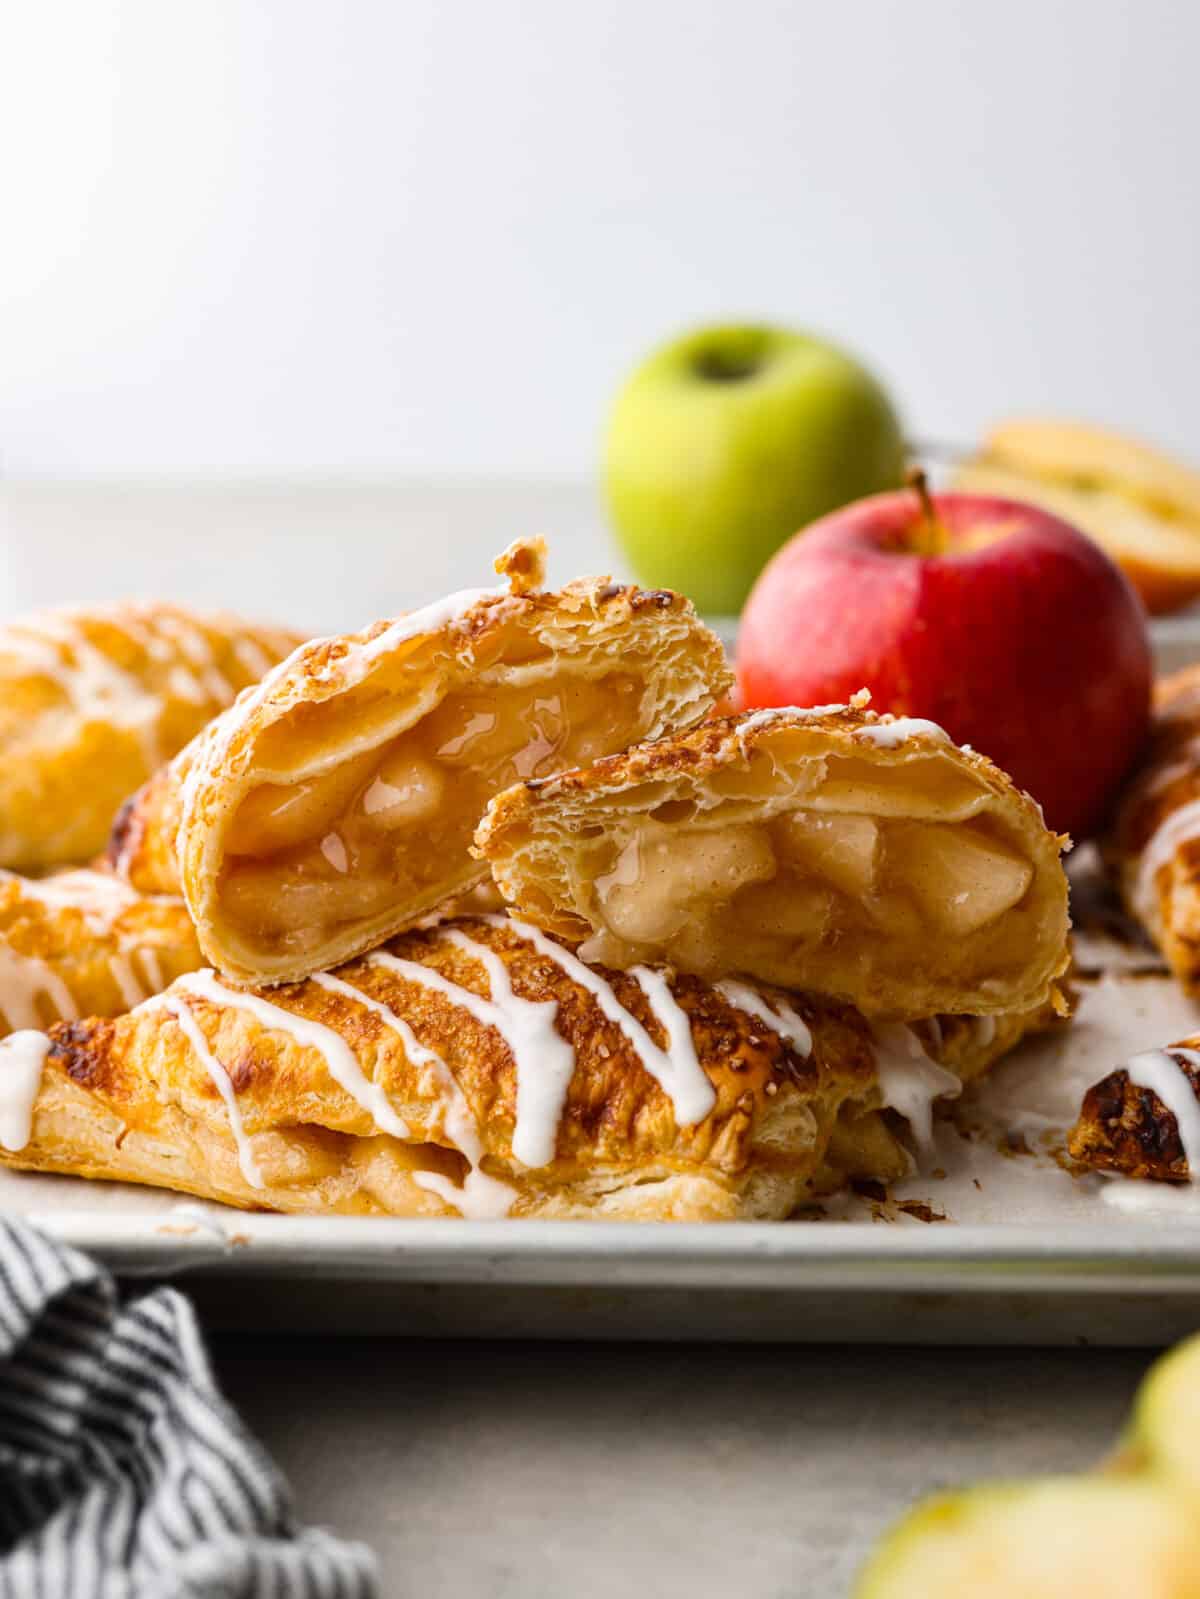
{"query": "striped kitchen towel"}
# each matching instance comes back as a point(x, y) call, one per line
point(123, 1472)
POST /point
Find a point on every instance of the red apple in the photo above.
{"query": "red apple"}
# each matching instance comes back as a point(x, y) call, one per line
point(996, 619)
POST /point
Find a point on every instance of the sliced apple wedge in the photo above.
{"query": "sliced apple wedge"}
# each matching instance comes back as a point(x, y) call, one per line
point(961, 880)
point(1054, 1538)
point(1139, 505)
point(844, 850)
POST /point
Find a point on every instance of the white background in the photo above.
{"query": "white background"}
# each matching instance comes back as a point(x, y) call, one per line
point(386, 236)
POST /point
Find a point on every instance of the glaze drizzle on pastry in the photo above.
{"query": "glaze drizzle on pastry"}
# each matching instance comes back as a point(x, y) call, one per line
point(1143, 1120)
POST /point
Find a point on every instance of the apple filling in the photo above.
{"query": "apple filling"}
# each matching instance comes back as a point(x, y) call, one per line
point(304, 858)
point(830, 890)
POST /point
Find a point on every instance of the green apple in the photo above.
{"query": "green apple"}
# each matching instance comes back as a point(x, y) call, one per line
point(1054, 1538)
point(727, 441)
point(1165, 1431)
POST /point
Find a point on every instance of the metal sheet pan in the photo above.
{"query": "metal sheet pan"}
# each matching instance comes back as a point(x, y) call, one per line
point(999, 1242)
point(1002, 1243)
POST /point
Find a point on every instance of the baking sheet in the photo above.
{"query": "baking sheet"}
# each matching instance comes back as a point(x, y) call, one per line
point(999, 1240)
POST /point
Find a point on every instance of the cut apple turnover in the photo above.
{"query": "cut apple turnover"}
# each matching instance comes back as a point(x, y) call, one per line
point(480, 1069)
point(1143, 1120)
point(83, 943)
point(93, 701)
point(1153, 848)
point(825, 849)
point(335, 804)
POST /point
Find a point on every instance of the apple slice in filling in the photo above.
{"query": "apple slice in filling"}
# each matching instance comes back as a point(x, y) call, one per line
point(343, 845)
point(815, 850)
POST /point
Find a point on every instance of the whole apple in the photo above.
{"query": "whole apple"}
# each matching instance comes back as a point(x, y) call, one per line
point(727, 441)
point(994, 618)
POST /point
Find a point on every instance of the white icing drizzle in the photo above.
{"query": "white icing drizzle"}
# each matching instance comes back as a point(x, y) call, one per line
point(385, 1116)
point(775, 713)
point(22, 1057)
point(339, 1057)
point(985, 1031)
point(254, 660)
point(210, 683)
point(429, 619)
point(480, 1197)
point(98, 688)
point(1178, 828)
point(123, 974)
point(1162, 1074)
point(684, 1080)
point(191, 1031)
point(889, 735)
point(99, 897)
point(792, 713)
point(1135, 1195)
point(544, 1060)
point(675, 1069)
point(1186, 760)
point(23, 979)
point(909, 1081)
point(152, 968)
point(779, 1017)
point(183, 682)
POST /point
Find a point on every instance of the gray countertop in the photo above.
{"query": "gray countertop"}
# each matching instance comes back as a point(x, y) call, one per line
point(530, 1471)
point(514, 1471)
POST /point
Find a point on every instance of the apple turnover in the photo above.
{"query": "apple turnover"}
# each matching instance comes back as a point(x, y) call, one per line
point(827, 849)
point(82, 943)
point(480, 1069)
point(1153, 847)
point(93, 701)
point(1143, 1120)
point(335, 804)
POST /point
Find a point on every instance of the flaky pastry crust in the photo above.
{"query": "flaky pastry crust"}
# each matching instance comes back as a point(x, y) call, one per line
point(434, 712)
point(1125, 1127)
point(786, 1110)
point(82, 943)
point(93, 701)
point(826, 849)
point(1153, 846)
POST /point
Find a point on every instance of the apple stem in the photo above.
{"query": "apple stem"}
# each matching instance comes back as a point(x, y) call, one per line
point(933, 538)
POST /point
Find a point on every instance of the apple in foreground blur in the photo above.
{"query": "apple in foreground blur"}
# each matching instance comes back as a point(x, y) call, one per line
point(726, 441)
point(994, 618)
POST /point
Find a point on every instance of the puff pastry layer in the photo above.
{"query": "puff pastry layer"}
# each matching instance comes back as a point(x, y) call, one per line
point(1153, 847)
point(335, 804)
point(1143, 1120)
point(82, 943)
point(826, 849)
point(93, 701)
point(477, 1068)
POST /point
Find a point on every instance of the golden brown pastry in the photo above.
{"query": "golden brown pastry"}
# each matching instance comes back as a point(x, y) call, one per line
point(93, 701)
point(335, 804)
point(479, 1069)
point(1143, 1120)
point(82, 943)
point(825, 849)
point(1153, 847)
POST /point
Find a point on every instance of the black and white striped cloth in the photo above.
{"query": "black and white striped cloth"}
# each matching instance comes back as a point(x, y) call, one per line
point(123, 1472)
